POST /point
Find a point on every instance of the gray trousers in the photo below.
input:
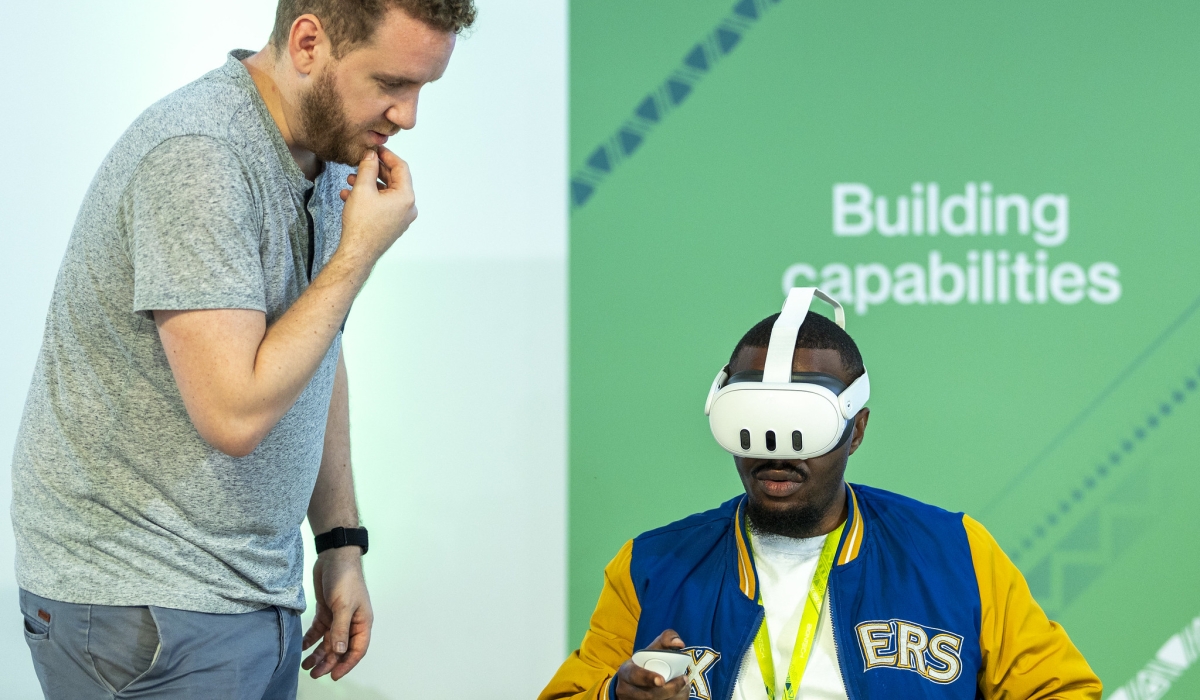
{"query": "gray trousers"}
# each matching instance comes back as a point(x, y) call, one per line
point(94, 652)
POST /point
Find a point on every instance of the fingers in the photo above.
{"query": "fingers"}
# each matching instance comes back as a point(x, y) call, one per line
point(322, 661)
point(677, 688)
point(636, 683)
point(315, 632)
point(640, 677)
point(368, 168)
point(313, 659)
point(321, 619)
point(669, 639)
point(390, 161)
point(352, 178)
point(360, 639)
point(395, 171)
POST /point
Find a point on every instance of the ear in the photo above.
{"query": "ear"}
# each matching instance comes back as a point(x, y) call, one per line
point(860, 428)
point(308, 45)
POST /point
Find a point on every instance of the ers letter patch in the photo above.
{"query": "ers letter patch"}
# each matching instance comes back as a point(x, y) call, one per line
point(933, 653)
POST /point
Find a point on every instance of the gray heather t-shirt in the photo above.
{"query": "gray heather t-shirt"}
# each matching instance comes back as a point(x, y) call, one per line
point(117, 500)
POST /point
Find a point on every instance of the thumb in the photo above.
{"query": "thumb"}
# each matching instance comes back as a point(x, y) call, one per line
point(669, 639)
point(368, 172)
point(338, 637)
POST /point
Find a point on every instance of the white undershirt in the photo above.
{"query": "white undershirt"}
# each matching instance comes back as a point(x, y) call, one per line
point(785, 569)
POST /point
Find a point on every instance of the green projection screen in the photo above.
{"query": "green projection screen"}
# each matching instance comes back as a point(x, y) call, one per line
point(1003, 195)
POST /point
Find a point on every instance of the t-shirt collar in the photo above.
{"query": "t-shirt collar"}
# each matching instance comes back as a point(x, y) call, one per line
point(237, 71)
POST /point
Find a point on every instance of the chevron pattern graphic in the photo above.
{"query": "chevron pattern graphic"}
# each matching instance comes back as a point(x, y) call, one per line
point(1121, 452)
point(1093, 524)
point(1109, 531)
point(1115, 523)
point(1173, 658)
point(666, 98)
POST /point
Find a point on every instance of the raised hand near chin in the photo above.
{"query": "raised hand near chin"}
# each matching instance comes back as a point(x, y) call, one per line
point(375, 216)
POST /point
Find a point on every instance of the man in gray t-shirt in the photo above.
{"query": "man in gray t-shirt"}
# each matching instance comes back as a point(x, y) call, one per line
point(189, 406)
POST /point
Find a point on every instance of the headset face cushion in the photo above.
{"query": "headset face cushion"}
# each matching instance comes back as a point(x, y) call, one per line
point(828, 381)
point(776, 421)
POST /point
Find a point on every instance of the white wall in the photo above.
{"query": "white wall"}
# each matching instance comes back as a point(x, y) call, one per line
point(456, 348)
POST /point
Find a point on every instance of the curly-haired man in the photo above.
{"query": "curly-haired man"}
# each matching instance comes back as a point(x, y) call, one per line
point(189, 405)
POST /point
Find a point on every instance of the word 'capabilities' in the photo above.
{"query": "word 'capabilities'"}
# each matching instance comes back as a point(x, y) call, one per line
point(988, 277)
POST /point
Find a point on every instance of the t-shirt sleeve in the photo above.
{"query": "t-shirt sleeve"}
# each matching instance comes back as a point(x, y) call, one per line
point(193, 230)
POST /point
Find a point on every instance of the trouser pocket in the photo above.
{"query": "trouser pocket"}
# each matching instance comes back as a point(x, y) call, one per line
point(123, 643)
point(36, 619)
point(35, 629)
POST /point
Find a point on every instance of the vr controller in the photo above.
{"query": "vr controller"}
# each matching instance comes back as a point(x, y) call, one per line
point(780, 414)
point(668, 664)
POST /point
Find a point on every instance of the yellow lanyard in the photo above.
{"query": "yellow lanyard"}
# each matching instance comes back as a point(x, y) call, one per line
point(808, 625)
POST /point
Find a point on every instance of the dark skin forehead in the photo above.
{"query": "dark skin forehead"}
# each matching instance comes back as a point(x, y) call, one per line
point(825, 361)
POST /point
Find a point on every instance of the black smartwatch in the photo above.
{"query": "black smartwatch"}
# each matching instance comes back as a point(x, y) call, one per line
point(342, 537)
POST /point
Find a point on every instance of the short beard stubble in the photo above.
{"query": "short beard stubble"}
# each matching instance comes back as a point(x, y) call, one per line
point(798, 521)
point(327, 132)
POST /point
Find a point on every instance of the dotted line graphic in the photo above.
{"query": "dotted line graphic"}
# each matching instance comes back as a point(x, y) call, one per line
point(667, 97)
point(1106, 467)
point(1031, 467)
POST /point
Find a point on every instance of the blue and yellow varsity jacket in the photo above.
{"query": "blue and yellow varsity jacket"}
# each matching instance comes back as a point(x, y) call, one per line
point(924, 605)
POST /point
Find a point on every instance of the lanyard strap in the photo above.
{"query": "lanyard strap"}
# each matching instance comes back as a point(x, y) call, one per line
point(808, 625)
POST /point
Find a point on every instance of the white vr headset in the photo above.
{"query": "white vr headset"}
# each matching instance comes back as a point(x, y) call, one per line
point(778, 414)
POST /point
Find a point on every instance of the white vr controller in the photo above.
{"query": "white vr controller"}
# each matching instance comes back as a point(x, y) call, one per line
point(668, 664)
point(786, 415)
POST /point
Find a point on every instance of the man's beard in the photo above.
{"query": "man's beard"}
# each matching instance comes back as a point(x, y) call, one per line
point(327, 132)
point(801, 520)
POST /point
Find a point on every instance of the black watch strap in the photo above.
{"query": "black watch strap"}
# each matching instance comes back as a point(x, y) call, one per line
point(342, 537)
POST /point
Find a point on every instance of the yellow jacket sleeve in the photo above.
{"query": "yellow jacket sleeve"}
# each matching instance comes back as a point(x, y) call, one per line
point(1025, 654)
point(608, 643)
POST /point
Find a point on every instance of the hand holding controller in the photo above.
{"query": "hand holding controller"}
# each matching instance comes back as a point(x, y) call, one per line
point(668, 664)
point(658, 672)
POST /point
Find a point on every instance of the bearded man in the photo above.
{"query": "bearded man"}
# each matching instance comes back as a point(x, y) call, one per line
point(189, 405)
point(806, 587)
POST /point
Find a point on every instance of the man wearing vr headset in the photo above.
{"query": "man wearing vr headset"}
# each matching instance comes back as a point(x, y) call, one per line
point(806, 586)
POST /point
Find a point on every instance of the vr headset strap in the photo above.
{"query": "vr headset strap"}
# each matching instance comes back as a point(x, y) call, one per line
point(778, 368)
point(855, 396)
point(782, 348)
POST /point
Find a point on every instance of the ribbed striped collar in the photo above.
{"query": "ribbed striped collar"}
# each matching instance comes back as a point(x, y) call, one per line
point(848, 548)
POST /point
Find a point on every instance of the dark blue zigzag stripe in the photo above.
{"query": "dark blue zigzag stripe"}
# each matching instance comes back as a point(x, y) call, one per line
point(669, 95)
point(1078, 420)
point(1135, 438)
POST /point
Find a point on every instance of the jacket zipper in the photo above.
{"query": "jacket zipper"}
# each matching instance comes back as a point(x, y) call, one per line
point(837, 652)
point(832, 632)
point(742, 657)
